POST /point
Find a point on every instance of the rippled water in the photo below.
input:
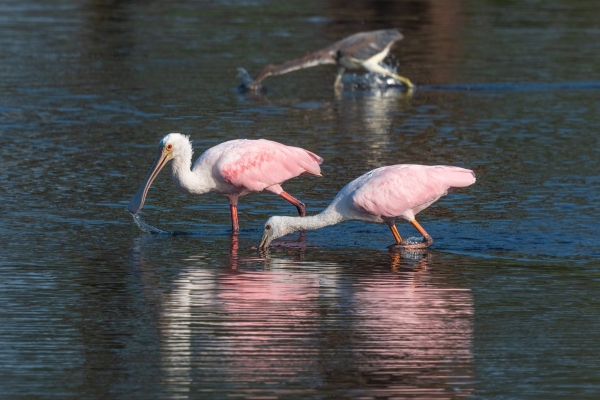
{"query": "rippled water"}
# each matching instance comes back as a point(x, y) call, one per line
point(503, 305)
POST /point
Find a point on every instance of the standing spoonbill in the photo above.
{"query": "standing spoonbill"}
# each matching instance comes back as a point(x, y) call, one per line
point(361, 50)
point(380, 196)
point(234, 168)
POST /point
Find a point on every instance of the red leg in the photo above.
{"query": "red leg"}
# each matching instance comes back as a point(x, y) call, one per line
point(299, 205)
point(394, 231)
point(235, 226)
point(422, 231)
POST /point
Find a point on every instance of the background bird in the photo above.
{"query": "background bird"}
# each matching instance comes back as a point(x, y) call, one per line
point(380, 196)
point(361, 50)
point(234, 168)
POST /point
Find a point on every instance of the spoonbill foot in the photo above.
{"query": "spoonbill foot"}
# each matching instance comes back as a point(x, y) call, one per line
point(407, 244)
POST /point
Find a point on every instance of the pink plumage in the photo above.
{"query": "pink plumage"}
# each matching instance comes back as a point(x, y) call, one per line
point(380, 196)
point(234, 168)
point(260, 164)
point(404, 190)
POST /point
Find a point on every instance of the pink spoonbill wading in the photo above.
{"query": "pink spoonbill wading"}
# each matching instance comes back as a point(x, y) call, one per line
point(234, 168)
point(380, 196)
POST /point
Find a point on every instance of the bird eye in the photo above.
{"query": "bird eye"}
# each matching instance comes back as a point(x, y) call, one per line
point(268, 227)
point(169, 146)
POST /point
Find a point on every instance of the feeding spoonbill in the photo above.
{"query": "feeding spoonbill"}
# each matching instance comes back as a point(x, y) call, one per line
point(361, 50)
point(380, 196)
point(234, 168)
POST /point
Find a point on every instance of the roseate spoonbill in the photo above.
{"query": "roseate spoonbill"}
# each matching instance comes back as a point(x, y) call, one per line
point(361, 50)
point(234, 168)
point(380, 196)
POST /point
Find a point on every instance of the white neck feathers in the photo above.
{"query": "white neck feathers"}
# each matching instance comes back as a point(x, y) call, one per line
point(198, 181)
point(286, 225)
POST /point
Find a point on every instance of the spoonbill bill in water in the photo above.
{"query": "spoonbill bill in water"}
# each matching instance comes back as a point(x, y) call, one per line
point(380, 196)
point(234, 168)
point(361, 50)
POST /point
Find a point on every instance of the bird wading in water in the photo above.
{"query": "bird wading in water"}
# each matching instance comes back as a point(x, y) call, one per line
point(234, 168)
point(361, 50)
point(381, 196)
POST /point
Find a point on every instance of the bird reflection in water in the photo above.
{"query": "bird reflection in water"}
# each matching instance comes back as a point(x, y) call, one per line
point(400, 258)
point(373, 117)
point(381, 327)
point(233, 251)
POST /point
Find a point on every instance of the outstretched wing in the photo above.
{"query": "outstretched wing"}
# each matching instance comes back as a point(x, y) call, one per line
point(257, 164)
point(395, 190)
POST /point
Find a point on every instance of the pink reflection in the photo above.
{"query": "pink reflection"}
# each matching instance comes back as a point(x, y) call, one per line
point(416, 329)
point(320, 327)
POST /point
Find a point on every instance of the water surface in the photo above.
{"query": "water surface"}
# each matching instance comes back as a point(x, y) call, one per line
point(504, 304)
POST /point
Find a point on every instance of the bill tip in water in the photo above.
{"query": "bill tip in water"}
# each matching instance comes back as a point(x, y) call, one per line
point(251, 87)
point(135, 205)
point(248, 84)
point(132, 210)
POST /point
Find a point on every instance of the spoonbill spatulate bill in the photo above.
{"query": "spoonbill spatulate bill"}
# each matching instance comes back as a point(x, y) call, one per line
point(233, 169)
point(382, 196)
point(362, 50)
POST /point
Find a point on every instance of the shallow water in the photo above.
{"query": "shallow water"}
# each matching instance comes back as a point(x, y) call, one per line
point(504, 304)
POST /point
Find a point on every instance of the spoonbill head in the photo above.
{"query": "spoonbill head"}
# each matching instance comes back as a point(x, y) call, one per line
point(171, 146)
point(274, 228)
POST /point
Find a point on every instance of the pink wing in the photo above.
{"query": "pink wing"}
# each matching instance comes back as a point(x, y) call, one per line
point(258, 164)
point(394, 190)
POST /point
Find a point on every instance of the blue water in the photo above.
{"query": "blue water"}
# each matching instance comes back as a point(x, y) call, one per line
point(503, 305)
